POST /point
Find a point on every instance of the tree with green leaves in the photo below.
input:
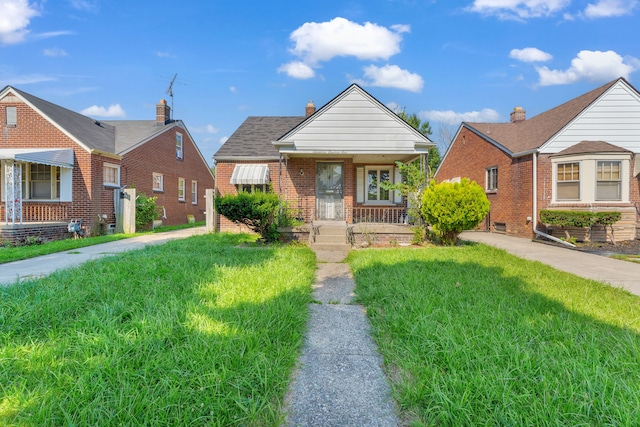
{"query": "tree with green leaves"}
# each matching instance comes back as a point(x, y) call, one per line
point(425, 129)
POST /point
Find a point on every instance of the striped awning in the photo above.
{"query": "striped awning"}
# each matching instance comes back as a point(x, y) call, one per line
point(250, 174)
point(46, 156)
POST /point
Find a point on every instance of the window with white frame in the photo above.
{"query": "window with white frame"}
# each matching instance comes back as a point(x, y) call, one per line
point(181, 189)
point(111, 175)
point(608, 184)
point(11, 116)
point(194, 192)
point(568, 181)
point(179, 147)
point(42, 182)
point(158, 182)
point(492, 179)
point(374, 190)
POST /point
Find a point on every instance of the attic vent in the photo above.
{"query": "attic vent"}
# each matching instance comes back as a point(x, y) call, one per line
point(12, 117)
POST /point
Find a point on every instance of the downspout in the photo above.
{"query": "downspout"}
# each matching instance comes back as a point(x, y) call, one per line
point(535, 206)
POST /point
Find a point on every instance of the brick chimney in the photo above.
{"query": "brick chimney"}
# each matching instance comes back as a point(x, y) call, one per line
point(518, 115)
point(163, 112)
point(310, 109)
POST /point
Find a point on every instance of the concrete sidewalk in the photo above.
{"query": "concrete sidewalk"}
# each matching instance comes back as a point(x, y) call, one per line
point(622, 274)
point(339, 380)
point(34, 268)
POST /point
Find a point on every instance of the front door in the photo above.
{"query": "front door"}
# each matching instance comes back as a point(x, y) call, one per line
point(329, 191)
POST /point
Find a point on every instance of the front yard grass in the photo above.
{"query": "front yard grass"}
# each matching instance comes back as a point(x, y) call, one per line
point(473, 336)
point(198, 331)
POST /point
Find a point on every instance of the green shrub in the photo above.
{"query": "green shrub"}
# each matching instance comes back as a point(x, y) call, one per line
point(580, 219)
point(451, 208)
point(146, 210)
point(258, 211)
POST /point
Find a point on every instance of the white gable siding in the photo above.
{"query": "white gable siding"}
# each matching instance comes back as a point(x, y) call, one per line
point(613, 118)
point(355, 124)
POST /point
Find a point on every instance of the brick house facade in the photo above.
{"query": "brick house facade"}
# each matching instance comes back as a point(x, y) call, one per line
point(62, 156)
point(326, 165)
point(580, 156)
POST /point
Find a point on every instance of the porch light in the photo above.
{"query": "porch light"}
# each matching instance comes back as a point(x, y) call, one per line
point(301, 171)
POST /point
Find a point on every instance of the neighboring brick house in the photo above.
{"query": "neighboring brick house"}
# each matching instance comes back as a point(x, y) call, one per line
point(581, 155)
point(58, 165)
point(328, 164)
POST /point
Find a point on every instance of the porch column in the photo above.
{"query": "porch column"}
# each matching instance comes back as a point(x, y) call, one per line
point(13, 192)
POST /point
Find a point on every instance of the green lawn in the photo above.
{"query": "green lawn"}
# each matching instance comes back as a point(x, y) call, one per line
point(472, 336)
point(199, 331)
point(17, 253)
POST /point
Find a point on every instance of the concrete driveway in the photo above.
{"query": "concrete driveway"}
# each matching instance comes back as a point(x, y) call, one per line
point(622, 274)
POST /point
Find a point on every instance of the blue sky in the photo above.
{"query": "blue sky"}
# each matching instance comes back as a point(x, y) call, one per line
point(446, 61)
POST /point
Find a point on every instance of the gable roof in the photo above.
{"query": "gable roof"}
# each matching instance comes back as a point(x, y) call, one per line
point(354, 122)
point(253, 139)
point(130, 133)
point(584, 147)
point(87, 132)
point(531, 134)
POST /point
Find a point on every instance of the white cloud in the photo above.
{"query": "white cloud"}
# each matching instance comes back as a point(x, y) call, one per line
point(452, 117)
point(114, 110)
point(85, 5)
point(223, 140)
point(593, 66)
point(297, 70)
point(56, 51)
point(610, 8)
point(530, 54)
point(518, 9)
point(165, 55)
point(393, 76)
point(317, 42)
point(14, 20)
point(232, 89)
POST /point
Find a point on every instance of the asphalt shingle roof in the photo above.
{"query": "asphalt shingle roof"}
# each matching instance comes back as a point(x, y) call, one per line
point(131, 132)
point(530, 134)
point(592, 147)
point(92, 133)
point(254, 138)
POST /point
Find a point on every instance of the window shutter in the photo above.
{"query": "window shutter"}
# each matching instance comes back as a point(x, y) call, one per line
point(397, 196)
point(66, 191)
point(360, 184)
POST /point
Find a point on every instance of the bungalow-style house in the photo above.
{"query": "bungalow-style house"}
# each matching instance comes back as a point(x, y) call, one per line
point(328, 164)
point(58, 166)
point(581, 155)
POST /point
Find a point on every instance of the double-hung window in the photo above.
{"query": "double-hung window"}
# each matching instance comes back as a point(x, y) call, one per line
point(158, 182)
point(179, 147)
point(194, 192)
point(608, 184)
point(181, 189)
point(111, 175)
point(492, 179)
point(375, 191)
point(11, 116)
point(568, 181)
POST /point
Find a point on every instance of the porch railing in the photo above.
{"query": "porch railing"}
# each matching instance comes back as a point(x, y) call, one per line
point(38, 212)
point(377, 214)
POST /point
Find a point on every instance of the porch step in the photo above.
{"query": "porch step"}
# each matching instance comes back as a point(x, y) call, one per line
point(331, 233)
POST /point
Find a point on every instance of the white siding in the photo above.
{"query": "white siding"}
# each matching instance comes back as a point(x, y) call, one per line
point(613, 118)
point(355, 123)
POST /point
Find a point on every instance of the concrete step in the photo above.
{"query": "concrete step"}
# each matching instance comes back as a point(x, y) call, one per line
point(331, 238)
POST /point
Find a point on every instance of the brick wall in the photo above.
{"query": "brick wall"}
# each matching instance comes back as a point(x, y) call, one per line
point(159, 156)
point(511, 203)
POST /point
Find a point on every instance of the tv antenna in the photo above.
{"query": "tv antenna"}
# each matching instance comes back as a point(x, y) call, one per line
point(170, 92)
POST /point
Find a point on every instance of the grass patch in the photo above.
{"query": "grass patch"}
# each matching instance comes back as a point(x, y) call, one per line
point(192, 332)
point(17, 253)
point(474, 336)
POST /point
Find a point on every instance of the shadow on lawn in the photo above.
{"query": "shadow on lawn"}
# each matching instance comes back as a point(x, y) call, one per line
point(163, 336)
point(466, 343)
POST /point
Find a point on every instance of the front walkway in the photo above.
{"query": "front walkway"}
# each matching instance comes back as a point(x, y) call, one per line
point(339, 380)
point(622, 274)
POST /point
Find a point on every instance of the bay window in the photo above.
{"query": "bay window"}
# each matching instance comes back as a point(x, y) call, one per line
point(568, 181)
point(608, 185)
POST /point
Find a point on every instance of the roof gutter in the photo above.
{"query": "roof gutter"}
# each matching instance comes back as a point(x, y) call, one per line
point(106, 154)
point(535, 206)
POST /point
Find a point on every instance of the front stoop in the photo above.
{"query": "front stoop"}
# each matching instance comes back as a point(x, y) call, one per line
point(330, 241)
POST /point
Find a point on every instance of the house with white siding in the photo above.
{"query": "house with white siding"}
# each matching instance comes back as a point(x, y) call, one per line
point(328, 164)
point(582, 155)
